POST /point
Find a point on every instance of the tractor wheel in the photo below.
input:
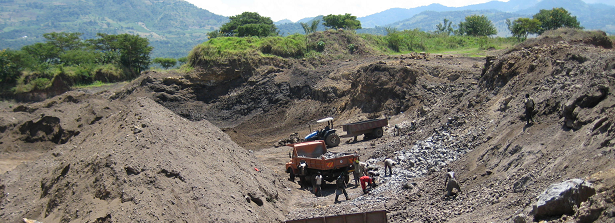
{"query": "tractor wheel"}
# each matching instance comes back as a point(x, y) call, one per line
point(332, 140)
point(377, 133)
point(292, 175)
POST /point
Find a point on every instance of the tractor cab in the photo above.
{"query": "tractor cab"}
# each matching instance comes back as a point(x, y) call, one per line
point(327, 133)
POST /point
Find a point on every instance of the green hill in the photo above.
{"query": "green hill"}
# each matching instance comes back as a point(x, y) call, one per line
point(173, 27)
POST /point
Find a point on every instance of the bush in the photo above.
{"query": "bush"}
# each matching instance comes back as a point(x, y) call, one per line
point(109, 73)
point(320, 46)
point(352, 48)
point(40, 84)
point(291, 46)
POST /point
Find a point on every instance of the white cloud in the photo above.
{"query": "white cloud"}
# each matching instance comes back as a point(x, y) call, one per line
point(296, 10)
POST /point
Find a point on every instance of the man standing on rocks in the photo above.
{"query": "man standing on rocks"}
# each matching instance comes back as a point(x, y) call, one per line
point(358, 171)
point(341, 186)
point(388, 164)
point(451, 183)
point(529, 108)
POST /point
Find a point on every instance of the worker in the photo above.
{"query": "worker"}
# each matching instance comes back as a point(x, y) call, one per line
point(358, 172)
point(368, 180)
point(302, 173)
point(365, 180)
point(388, 164)
point(317, 187)
point(451, 183)
point(529, 109)
point(341, 186)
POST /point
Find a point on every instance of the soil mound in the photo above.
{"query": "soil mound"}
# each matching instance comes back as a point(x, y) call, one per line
point(141, 162)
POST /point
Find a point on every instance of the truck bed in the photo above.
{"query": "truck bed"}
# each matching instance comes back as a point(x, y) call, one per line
point(329, 161)
point(362, 127)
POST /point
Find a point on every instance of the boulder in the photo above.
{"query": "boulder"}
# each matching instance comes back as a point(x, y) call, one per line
point(561, 198)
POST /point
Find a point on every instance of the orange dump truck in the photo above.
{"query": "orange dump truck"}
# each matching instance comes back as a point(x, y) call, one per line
point(309, 158)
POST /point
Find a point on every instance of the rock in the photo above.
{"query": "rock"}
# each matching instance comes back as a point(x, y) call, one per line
point(25, 220)
point(561, 198)
point(519, 218)
point(591, 210)
point(520, 185)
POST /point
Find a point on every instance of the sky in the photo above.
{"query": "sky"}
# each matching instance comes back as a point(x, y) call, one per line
point(295, 10)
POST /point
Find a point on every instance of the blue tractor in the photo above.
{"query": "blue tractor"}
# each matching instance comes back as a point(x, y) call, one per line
point(327, 134)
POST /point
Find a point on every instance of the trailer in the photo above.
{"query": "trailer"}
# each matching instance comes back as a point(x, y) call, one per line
point(366, 217)
point(370, 128)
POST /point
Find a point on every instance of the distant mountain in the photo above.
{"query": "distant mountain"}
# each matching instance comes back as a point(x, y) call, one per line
point(427, 21)
point(173, 27)
point(398, 14)
point(591, 16)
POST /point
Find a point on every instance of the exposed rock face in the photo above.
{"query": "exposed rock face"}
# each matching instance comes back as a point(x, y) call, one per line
point(562, 199)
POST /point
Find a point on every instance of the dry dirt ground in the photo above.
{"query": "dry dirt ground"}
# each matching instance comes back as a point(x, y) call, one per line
point(198, 146)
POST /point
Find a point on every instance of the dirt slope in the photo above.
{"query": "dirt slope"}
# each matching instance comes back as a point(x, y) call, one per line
point(141, 162)
point(501, 162)
point(153, 150)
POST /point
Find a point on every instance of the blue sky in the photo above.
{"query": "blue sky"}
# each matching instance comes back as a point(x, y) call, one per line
point(298, 9)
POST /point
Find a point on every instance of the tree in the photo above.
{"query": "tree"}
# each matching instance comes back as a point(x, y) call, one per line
point(43, 53)
point(166, 63)
point(64, 41)
point(10, 66)
point(249, 24)
point(310, 28)
point(130, 51)
point(445, 27)
point(182, 60)
point(345, 21)
point(134, 52)
point(476, 25)
point(214, 34)
point(556, 18)
point(522, 27)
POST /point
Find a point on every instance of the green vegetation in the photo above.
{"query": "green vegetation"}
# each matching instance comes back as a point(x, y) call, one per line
point(522, 27)
point(476, 25)
point(542, 21)
point(108, 58)
point(346, 21)
point(336, 43)
point(173, 27)
point(166, 63)
point(556, 18)
point(249, 24)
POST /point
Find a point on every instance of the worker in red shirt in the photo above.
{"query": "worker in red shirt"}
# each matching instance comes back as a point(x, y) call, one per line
point(366, 180)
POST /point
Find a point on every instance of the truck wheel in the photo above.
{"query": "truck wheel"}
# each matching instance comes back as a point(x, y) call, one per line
point(377, 133)
point(292, 175)
point(332, 140)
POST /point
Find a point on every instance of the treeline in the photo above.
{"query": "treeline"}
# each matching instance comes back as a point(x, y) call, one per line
point(107, 58)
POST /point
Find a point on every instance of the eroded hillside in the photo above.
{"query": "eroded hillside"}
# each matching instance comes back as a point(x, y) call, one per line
point(153, 150)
